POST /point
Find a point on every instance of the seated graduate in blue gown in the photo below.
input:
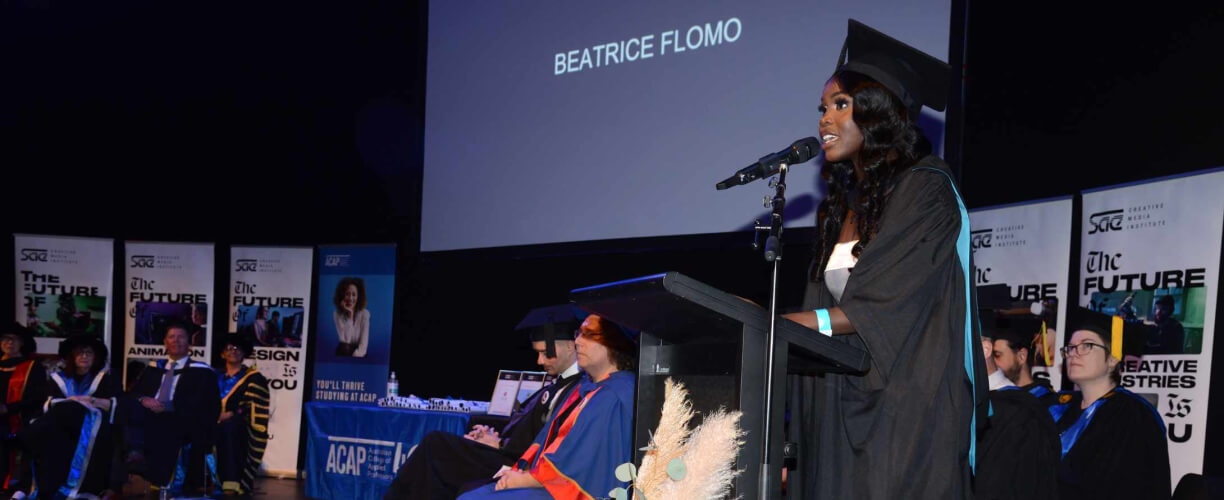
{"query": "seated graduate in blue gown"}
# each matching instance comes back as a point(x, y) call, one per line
point(575, 456)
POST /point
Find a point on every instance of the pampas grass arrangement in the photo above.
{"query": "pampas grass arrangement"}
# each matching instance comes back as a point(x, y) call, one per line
point(667, 442)
point(680, 465)
point(708, 457)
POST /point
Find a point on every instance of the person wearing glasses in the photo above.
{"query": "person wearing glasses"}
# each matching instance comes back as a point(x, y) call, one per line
point(73, 441)
point(1113, 440)
point(24, 382)
point(576, 455)
point(242, 427)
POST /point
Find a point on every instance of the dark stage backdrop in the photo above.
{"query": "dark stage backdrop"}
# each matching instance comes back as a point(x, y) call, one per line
point(299, 124)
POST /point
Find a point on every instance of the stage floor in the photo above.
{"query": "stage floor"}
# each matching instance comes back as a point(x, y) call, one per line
point(266, 488)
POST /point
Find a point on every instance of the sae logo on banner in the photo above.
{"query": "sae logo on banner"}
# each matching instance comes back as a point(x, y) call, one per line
point(142, 261)
point(34, 255)
point(981, 238)
point(1109, 220)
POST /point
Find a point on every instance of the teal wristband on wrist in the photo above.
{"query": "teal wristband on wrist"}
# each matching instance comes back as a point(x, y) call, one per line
point(823, 323)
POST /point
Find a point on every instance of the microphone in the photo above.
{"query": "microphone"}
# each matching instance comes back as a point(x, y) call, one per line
point(800, 151)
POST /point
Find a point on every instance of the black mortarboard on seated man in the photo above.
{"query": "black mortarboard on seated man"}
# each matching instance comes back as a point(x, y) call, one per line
point(1126, 338)
point(915, 77)
point(990, 300)
point(549, 324)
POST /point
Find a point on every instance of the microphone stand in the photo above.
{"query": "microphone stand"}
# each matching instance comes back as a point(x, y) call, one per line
point(773, 253)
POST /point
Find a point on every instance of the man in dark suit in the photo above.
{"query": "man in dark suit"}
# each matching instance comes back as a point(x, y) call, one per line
point(443, 463)
point(173, 406)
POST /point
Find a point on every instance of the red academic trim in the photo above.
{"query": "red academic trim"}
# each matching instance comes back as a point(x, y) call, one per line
point(530, 454)
point(16, 388)
point(558, 484)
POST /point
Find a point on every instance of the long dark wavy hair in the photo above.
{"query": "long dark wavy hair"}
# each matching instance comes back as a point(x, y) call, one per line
point(892, 142)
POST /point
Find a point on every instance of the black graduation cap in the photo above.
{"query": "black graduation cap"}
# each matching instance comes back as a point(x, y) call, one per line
point(28, 343)
point(990, 300)
point(242, 342)
point(1125, 337)
point(84, 340)
point(549, 324)
point(1004, 319)
point(914, 76)
point(1024, 331)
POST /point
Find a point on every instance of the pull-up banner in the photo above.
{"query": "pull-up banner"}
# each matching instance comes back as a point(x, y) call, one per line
point(1151, 253)
point(270, 305)
point(167, 283)
point(1027, 246)
point(356, 300)
point(63, 287)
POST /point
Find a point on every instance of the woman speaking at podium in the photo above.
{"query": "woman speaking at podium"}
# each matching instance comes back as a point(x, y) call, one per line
point(891, 276)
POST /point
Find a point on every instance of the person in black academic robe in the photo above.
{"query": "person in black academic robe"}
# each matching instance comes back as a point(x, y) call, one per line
point(24, 381)
point(1120, 453)
point(892, 276)
point(173, 412)
point(1018, 451)
point(443, 463)
point(242, 428)
point(1113, 441)
point(73, 441)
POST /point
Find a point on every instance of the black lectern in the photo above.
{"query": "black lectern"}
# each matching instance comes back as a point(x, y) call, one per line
point(715, 343)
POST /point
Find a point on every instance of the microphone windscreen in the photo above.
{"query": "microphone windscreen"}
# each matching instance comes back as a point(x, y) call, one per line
point(804, 149)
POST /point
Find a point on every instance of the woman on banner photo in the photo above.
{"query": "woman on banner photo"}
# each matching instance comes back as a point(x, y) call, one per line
point(892, 277)
point(351, 317)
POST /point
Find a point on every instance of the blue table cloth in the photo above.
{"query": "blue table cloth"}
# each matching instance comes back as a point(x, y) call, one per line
point(353, 451)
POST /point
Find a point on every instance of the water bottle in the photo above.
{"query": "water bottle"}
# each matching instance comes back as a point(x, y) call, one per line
point(392, 387)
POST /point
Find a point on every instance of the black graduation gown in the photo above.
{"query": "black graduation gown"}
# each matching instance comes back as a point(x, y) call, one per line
point(242, 439)
point(1122, 454)
point(443, 463)
point(1044, 392)
point(24, 382)
point(527, 422)
point(196, 406)
point(904, 429)
point(56, 437)
point(1018, 451)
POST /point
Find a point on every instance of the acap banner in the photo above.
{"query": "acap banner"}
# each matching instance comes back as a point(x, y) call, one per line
point(63, 287)
point(1027, 246)
point(269, 304)
point(1151, 253)
point(355, 306)
point(167, 283)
